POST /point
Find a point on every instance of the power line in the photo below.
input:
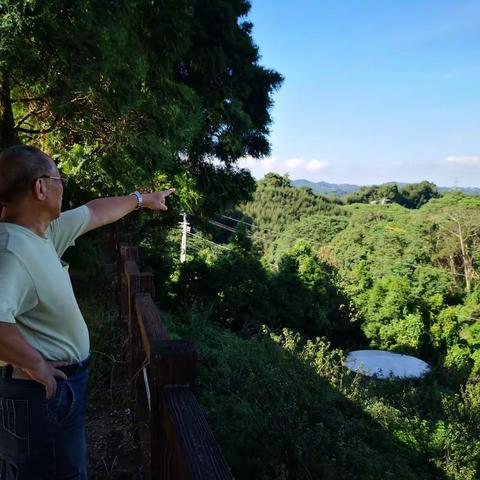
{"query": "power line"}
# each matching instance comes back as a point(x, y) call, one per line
point(190, 244)
point(232, 229)
point(222, 225)
point(198, 249)
point(187, 235)
point(237, 220)
point(249, 224)
point(277, 232)
point(196, 243)
point(209, 241)
point(280, 234)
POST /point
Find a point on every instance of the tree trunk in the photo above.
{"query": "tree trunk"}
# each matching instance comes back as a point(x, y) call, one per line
point(465, 258)
point(453, 269)
point(8, 135)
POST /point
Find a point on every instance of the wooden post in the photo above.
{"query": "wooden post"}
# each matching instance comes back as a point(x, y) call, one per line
point(136, 283)
point(125, 253)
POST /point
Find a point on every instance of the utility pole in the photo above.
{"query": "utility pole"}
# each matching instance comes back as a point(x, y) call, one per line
point(185, 230)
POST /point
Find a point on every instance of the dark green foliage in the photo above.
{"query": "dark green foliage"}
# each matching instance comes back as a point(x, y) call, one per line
point(285, 408)
point(241, 295)
point(234, 287)
point(304, 296)
point(136, 94)
point(275, 180)
point(276, 204)
point(413, 195)
point(317, 230)
point(408, 274)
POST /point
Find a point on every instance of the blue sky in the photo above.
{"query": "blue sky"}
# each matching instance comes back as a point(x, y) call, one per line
point(374, 91)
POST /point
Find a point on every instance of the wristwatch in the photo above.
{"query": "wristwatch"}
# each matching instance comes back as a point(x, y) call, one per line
point(139, 199)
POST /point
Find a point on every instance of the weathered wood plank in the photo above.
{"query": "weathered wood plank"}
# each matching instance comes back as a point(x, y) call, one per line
point(175, 363)
point(129, 253)
point(141, 414)
point(152, 329)
point(130, 268)
point(137, 283)
point(195, 449)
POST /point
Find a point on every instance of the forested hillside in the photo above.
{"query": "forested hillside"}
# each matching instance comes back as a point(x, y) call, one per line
point(410, 275)
point(343, 189)
point(315, 278)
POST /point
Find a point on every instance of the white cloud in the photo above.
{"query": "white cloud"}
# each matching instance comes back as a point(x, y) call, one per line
point(294, 163)
point(259, 167)
point(268, 162)
point(465, 161)
point(300, 165)
point(297, 167)
point(246, 162)
point(250, 162)
point(316, 165)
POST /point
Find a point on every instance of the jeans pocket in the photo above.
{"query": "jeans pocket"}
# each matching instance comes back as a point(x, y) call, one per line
point(14, 427)
point(70, 401)
point(62, 403)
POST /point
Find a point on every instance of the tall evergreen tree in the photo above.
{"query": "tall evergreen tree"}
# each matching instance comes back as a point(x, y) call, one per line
point(137, 91)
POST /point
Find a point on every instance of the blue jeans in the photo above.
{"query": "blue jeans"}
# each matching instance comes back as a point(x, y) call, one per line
point(43, 439)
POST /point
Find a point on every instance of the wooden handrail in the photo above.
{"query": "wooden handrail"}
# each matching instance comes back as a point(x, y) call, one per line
point(151, 327)
point(170, 420)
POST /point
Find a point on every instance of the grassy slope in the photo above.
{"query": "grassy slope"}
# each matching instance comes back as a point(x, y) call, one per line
point(282, 409)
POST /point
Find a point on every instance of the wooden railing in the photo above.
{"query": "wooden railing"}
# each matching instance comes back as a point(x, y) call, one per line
point(176, 441)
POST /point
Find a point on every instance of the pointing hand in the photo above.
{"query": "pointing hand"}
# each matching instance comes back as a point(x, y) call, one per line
point(156, 200)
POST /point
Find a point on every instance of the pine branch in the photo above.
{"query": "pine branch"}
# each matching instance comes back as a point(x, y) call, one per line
point(29, 114)
point(38, 131)
point(28, 100)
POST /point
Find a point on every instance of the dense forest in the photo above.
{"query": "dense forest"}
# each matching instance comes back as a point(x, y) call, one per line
point(309, 278)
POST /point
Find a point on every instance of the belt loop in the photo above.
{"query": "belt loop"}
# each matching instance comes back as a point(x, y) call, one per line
point(8, 371)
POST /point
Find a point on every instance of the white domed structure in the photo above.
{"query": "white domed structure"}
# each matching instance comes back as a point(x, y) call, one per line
point(380, 364)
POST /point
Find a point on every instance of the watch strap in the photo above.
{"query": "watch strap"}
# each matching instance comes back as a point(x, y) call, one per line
point(139, 199)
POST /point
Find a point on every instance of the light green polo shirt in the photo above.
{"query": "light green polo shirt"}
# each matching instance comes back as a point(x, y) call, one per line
point(35, 288)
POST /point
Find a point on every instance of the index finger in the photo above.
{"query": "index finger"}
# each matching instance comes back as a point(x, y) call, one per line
point(59, 374)
point(50, 389)
point(58, 363)
point(169, 192)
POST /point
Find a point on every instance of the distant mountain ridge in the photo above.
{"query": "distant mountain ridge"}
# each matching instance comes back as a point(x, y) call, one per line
point(340, 189)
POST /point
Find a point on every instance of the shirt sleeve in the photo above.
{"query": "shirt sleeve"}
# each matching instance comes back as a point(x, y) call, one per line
point(63, 231)
point(17, 290)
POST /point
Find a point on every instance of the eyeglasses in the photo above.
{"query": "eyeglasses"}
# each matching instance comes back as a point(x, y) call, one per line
point(63, 179)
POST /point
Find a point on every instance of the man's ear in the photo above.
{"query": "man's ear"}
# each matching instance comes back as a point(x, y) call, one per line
point(40, 189)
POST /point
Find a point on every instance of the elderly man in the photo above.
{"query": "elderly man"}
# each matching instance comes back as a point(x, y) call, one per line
point(44, 342)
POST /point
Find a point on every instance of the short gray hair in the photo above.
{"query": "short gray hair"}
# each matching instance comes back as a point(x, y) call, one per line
point(20, 166)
